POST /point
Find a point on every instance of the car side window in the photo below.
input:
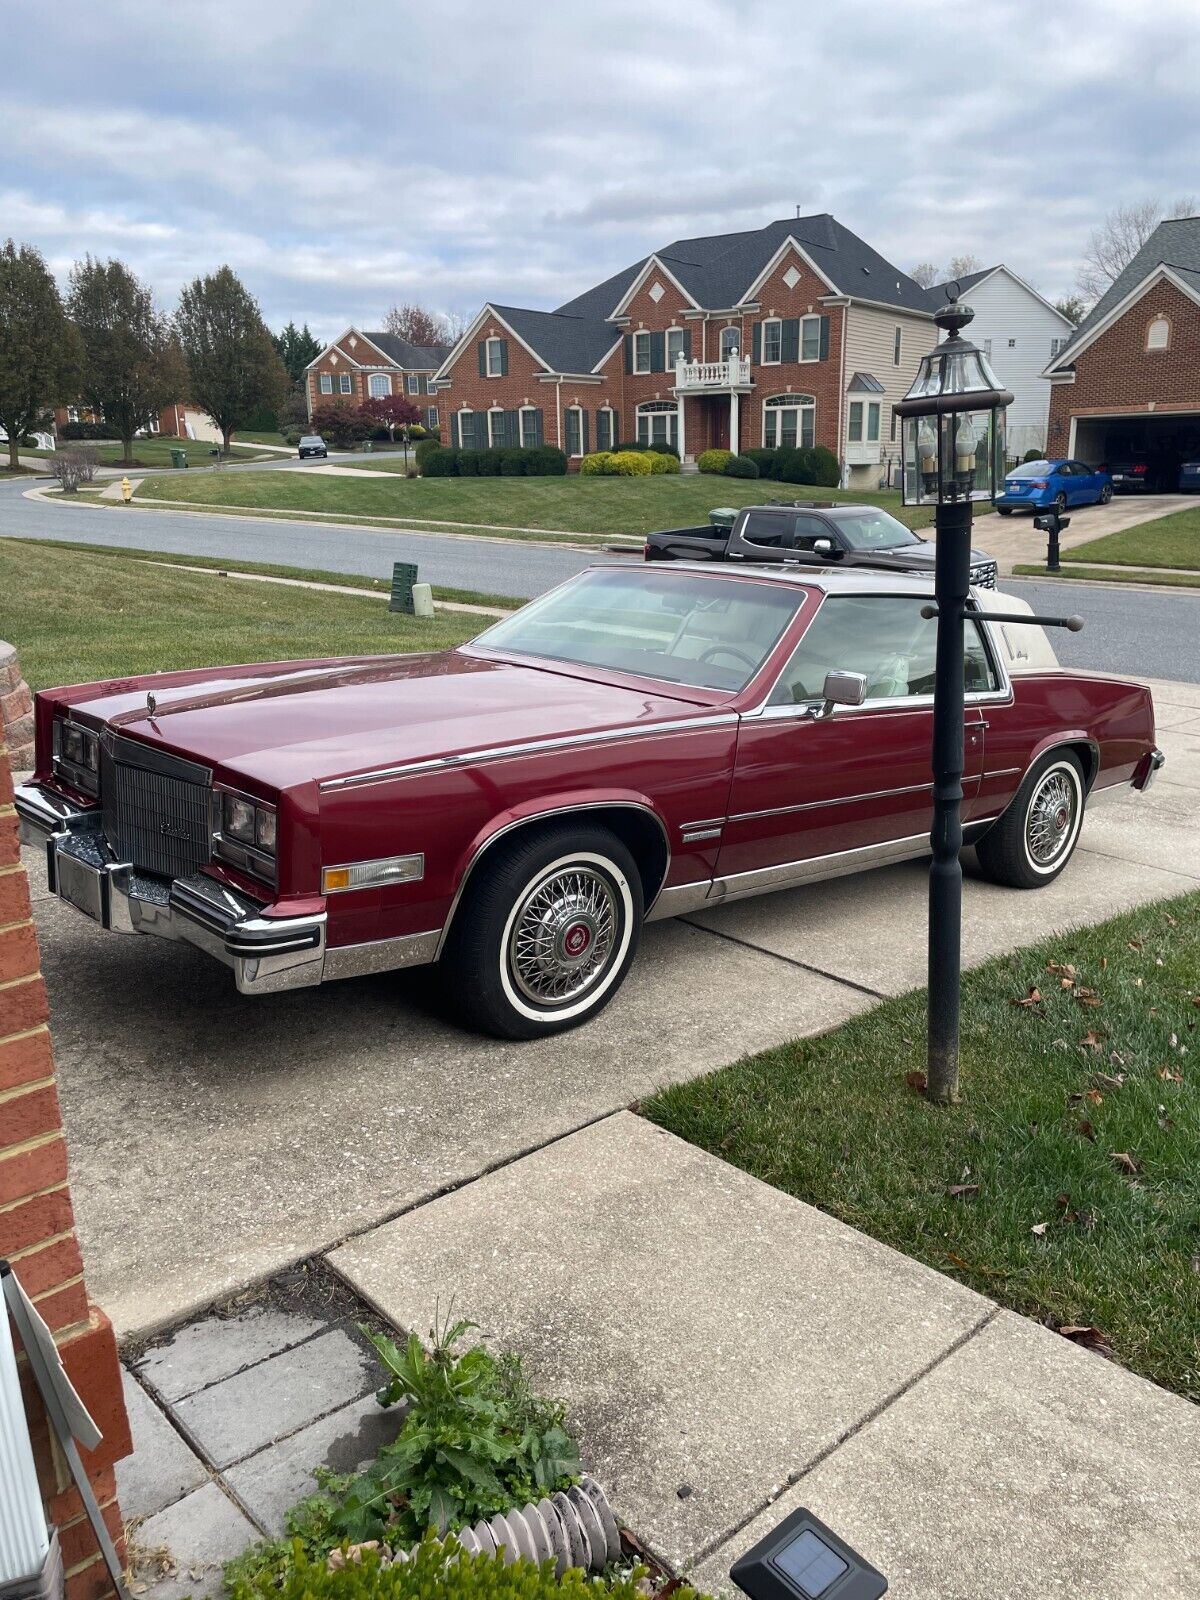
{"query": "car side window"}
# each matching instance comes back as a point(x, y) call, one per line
point(809, 530)
point(766, 528)
point(884, 637)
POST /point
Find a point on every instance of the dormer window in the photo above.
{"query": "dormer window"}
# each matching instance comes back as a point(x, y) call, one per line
point(1158, 334)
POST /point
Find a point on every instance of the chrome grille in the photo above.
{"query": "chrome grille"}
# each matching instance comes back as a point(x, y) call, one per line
point(983, 575)
point(155, 807)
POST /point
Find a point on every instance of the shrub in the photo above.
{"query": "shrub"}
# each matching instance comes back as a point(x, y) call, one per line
point(87, 430)
point(630, 464)
point(825, 468)
point(424, 450)
point(73, 467)
point(791, 465)
point(1034, 455)
point(662, 461)
point(440, 463)
point(598, 465)
point(513, 463)
point(714, 460)
point(340, 425)
point(741, 467)
point(444, 1572)
point(651, 449)
point(468, 463)
point(764, 460)
point(546, 461)
point(291, 436)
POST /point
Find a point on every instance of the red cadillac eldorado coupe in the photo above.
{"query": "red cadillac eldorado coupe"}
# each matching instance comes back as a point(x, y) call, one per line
point(633, 745)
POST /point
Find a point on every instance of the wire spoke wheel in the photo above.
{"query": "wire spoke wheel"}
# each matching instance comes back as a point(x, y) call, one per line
point(563, 935)
point(1050, 820)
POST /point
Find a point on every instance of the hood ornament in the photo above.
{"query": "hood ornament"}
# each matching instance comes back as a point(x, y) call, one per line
point(151, 705)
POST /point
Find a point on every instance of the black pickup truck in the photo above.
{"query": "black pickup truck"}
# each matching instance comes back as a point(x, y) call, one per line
point(814, 533)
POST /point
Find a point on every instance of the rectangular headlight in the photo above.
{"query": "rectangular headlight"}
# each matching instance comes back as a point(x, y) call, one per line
point(237, 819)
point(244, 834)
point(76, 752)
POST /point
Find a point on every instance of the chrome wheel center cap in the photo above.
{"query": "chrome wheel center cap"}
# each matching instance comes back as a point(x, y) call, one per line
point(574, 936)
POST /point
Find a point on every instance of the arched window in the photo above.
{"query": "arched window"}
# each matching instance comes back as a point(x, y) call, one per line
point(731, 341)
point(658, 423)
point(1158, 334)
point(789, 420)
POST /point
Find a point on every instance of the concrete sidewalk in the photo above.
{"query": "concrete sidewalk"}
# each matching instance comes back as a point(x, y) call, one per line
point(730, 1352)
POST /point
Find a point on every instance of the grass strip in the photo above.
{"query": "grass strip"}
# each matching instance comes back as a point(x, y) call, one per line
point(1066, 1185)
point(1160, 580)
point(1171, 541)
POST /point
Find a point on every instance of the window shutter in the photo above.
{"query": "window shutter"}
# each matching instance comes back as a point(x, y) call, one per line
point(482, 348)
point(628, 352)
point(790, 341)
point(455, 437)
point(658, 352)
point(756, 343)
point(514, 429)
point(504, 358)
point(825, 338)
point(687, 344)
point(583, 417)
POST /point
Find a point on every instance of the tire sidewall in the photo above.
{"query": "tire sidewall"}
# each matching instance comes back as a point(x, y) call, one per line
point(1039, 872)
point(578, 1010)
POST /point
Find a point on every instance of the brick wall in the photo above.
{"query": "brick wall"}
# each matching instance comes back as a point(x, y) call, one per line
point(16, 710)
point(342, 358)
point(1118, 374)
point(37, 1228)
point(519, 387)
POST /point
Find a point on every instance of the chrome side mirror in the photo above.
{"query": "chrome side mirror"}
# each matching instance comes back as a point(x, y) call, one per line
point(841, 689)
point(824, 547)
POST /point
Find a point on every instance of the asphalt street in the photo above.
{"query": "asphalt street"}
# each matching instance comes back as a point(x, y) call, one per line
point(1130, 630)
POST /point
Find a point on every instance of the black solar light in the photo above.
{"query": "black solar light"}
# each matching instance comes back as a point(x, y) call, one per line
point(804, 1560)
point(953, 428)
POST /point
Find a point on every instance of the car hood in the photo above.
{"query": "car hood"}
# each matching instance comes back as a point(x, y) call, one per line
point(292, 722)
point(913, 557)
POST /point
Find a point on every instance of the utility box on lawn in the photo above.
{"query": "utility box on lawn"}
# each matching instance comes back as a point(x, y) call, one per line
point(404, 575)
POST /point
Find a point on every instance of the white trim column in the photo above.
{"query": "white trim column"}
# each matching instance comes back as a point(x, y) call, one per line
point(733, 421)
point(680, 440)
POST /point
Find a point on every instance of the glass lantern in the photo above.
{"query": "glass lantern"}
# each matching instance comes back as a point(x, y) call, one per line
point(953, 421)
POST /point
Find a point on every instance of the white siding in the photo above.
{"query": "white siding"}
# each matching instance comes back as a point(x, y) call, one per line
point(870, 347)
point(1005, 309)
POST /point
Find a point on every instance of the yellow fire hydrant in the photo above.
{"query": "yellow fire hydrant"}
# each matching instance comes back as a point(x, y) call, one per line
point(126, 490)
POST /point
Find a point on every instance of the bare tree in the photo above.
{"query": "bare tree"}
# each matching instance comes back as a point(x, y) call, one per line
point(962, 266)
point(925, 273)
point(423, 328)
point(72, 467)
point(1113, 245)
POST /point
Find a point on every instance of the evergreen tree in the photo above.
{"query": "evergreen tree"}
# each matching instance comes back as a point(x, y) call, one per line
point(233, 366)
point(39, 350)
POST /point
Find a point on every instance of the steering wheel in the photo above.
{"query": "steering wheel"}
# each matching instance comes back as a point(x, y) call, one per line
point(728, 650)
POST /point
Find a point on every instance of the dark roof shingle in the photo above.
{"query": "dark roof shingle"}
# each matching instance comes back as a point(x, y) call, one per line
point(1174, 243)
point(405, 354)
point(565, 343)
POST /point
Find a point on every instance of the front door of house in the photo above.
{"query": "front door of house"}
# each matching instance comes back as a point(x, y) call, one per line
point(718, 424)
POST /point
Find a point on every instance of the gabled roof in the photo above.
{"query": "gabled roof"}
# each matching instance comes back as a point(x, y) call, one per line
point(565, 343)
point(1175, 246)
point(408, 355)
point(718, 270)
point(972, 280)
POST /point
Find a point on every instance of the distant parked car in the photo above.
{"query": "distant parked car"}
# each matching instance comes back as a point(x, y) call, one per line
point(1040, 485)
point(1189, 477)
point(312, 444)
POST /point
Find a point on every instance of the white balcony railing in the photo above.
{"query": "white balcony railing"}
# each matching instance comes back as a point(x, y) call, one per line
point(733, 373)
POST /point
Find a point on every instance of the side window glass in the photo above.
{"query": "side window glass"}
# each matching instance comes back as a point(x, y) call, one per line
point(765, 528)
point(809, 530)
point(884, 637)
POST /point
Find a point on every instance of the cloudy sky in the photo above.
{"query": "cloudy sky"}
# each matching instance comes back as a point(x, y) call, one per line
point(342, 157)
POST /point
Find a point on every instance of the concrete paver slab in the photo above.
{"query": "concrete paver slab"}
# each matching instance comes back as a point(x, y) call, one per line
point(202, 1531)
point(162, 1468)
point(242, 1414)
point(268, 1129)
point(271, 1483)
point(870, 929)
point(214, 1348)
point(704, 1328)
point(1181, 746)
point(1021, 1467)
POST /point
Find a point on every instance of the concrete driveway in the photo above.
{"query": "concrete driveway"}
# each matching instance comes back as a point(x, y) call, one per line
point(214, 1138)
point(1013, 539)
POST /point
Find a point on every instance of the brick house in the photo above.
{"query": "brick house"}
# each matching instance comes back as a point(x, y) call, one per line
point(1128, 381)
point(362, 366)
point(795, 333)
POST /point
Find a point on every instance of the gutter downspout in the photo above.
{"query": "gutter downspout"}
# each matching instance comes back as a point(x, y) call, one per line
point(842, 394)
point(558, 415)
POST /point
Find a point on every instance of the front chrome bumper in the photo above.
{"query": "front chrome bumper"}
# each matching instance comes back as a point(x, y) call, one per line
point(266, 954)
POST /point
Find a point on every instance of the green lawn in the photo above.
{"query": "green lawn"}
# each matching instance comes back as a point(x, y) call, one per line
point(1172, 541)
point(1078, 1137)
point(597, 506)
point(75, 616)
point(261, 438)
point(1164, 579)
point(153, 452)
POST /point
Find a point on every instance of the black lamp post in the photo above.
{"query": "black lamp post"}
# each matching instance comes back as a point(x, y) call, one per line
point(953, 452)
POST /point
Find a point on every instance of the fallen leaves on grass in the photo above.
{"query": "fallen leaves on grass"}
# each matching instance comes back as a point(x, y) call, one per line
point(1091, 1040)
point(1122, 1159)
point(1085, 1130)
point(1061, 969)
point(916, 1081)
point(959, 1191)
point(1039, 1228)
point(1091, 1338)
point(1033, 998)
point(1170, 1074)
point(1092, 1096)
point(1087, 997)
point(1108, 1080)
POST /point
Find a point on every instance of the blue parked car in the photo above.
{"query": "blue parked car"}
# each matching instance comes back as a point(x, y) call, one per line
point(1189, 477)
point(1038, 485)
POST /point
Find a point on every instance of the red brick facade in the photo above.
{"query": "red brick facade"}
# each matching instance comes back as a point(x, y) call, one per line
point(37, 1230)
point(1118, 375)
point(352, 360)
point(708, 417)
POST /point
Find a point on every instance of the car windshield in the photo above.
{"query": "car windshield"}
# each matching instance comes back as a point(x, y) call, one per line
point(875, 530)
point(312, 438)
point(1031, 469)
point(711, 633)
